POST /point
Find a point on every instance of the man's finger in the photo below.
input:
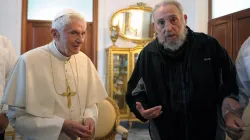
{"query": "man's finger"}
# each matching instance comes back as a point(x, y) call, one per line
point(91, 127)
point(239, 123)
point(139, 107)
point(152, 110)
point(89, 123)
point(153, 115)
point(87, 131)
point(82, 128)
point(158, 113)
point(149, 113)
point(236, 126)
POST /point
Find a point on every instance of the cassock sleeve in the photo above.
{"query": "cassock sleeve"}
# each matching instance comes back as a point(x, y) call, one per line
point(35, 128)
point(136, 90)
point(95, 92)
point(243, 72)
point(91, 112)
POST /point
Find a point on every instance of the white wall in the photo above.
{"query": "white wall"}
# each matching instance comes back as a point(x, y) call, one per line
point(197, 13)
point(201, 15)
point(10, 21)
point(189, 10)
point(224, 7)
point(196, 21)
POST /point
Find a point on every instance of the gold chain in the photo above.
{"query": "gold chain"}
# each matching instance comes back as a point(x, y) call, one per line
point(67, 82)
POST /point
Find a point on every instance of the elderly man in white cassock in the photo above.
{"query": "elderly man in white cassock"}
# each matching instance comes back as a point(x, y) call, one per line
point(54, 90)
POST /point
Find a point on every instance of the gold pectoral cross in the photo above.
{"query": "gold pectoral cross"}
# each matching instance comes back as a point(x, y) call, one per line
point(69, 93)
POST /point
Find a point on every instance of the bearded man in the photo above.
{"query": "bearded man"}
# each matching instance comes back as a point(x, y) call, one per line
point(180, 79)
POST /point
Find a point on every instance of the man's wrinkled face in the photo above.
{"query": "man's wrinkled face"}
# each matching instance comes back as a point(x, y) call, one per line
point(170, 25)
point(72, 37)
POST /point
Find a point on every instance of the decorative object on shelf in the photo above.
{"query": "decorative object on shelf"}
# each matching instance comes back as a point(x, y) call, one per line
point(135, 23)
point(114, 31)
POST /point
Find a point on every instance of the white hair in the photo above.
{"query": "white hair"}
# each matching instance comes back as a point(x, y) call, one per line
point(60, 22)
point(168, 2)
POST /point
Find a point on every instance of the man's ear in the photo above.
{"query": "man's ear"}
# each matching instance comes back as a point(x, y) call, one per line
point(185, 18)
point(55, 34)
point(155, 33)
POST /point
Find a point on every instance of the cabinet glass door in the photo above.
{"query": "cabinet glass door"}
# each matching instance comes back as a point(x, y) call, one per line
point(120, 79)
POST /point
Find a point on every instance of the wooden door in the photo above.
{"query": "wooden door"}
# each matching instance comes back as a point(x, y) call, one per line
point(241, 29)
point(36, 33)
point(221, 29)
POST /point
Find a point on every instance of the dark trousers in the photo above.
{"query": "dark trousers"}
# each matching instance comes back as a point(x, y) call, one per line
point(2, 136)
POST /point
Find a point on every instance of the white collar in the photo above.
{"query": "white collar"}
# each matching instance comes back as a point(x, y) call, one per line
point(53, 49)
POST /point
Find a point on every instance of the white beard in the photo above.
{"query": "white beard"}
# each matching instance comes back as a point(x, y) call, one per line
point(175, 45)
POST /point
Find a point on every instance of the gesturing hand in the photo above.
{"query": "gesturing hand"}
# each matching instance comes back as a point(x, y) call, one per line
point(150, 113)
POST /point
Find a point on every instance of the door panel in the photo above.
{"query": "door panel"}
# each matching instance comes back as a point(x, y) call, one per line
point(241, 29)
point(221, 29)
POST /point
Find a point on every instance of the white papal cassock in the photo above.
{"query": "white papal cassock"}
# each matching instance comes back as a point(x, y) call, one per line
point(36, 110)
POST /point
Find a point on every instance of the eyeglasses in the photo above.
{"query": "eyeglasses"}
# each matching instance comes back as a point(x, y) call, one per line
point(75, 34)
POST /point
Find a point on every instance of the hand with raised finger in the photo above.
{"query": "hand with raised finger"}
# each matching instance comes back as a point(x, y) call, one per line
point(150, 113)
point(234, 126)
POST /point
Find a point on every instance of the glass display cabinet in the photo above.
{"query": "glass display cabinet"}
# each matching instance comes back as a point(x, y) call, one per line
point(120, 65)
